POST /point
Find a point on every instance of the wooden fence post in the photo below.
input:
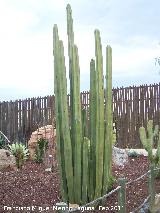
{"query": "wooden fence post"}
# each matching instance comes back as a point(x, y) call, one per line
point(62, 208)
point(122, 195)
point(151, 187)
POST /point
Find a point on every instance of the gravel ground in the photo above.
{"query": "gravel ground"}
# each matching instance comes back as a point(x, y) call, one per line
point(33, 190)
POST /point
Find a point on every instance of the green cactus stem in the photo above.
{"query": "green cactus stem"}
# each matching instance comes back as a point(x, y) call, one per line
point(109, 121)
point(92, 108)
point(63, 184)
point(147, 139)
point(85, 179)
point(84, 123)
point(63, 142)
point(99, 115)
point(77, 123)
point(70, 34)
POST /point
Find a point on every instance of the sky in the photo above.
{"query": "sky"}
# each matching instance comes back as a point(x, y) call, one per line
point(131, 27)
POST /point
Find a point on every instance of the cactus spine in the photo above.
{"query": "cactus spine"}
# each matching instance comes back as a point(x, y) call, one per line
point(84, 155)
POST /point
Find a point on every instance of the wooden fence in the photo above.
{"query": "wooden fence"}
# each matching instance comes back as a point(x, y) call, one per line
point(20, 118)
point(132, 108)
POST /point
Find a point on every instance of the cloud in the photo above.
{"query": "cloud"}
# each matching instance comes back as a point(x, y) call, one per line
point(26, 42)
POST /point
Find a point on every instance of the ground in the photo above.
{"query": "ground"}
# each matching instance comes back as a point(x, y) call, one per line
point(36, 189)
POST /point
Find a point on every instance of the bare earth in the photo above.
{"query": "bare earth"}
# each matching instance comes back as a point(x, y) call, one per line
point(34, 190)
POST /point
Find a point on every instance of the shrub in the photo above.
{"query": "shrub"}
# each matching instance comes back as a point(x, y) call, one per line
point(133, 153)
point(20, 152)
point(42, 145)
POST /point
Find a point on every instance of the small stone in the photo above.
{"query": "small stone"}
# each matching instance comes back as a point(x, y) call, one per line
point(119, 156)
point(48, 170)
point(74, 206)
point(156, 205)
point(7, 160)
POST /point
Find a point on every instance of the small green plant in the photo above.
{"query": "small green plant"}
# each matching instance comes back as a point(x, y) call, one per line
point(2, 142)
point(42, 145)
point(111, 182)
point(20, 152)
point(147, 138)
point(133, 153)
point(114, 139)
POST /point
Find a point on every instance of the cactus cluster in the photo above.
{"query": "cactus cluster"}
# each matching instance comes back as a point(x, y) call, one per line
point(147, 139)
point(84, 139)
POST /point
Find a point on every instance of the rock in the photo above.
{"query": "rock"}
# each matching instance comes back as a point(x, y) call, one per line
point(48, 169)
point(140, 151)
point(119, 156)
point(46, 132)
point(73, 206)
point(156, 205)
point(7, 160)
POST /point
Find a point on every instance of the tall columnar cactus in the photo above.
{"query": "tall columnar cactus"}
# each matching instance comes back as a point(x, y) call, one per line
point(92, 108)
point(75, 105)
point(83, 151)
point(99, 128)
point(109, 121)
point(62, 121)
point(147, 139)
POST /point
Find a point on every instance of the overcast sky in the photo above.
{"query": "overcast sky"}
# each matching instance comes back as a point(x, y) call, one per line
point(131, 27)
